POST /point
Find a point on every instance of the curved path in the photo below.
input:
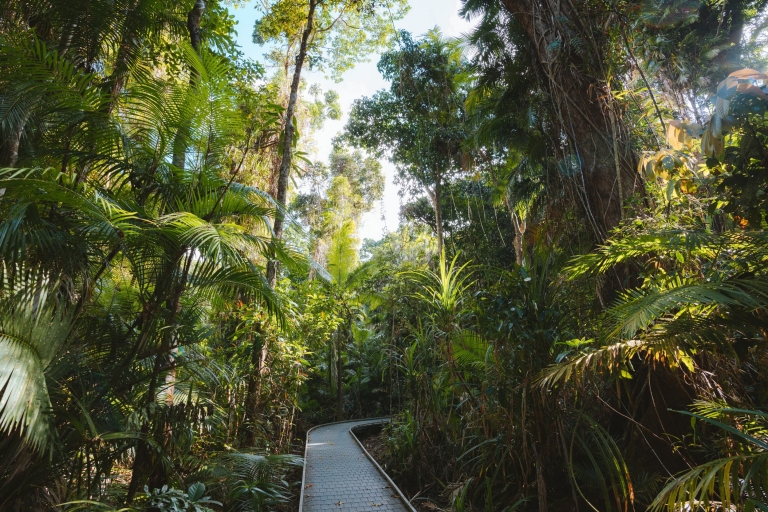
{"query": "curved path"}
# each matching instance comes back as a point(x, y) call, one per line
point(339, 476)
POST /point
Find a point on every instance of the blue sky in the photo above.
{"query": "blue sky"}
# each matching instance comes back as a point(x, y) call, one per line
point(364, 80)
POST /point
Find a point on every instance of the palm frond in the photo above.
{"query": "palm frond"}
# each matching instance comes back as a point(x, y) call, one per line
point(605, 462)
point(342, 255)
point(33, 329)
point(470, 349)
point(638, 310)
point(606, 359)
point(675, 244)
point(738, 481)
point(245, 282)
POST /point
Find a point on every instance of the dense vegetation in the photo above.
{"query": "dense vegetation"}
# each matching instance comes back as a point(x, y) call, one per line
point(572, 314)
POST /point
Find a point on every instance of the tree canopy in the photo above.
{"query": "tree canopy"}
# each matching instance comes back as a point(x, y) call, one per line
point(570, 315)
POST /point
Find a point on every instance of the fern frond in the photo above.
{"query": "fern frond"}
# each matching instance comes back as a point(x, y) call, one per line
point(342, 254)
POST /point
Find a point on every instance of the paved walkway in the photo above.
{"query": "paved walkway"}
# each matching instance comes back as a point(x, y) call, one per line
point(339, 477)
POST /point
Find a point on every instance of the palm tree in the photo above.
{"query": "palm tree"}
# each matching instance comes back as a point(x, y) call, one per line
point(346, 276)
point(132, 249)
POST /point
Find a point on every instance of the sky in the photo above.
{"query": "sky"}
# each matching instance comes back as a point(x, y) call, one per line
point(364, 80)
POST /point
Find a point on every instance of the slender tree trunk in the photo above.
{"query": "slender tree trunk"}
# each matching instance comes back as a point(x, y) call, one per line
point(194, 18)
point(541, 484)
point(437, 196)
point(121, 69)
point(10, 149)
point(359, 384)
point(232, 405)
point(286, 162)
point(170, 377)
point(144, 463)
point(142, 460)
point(331, 365)
point(254, 384)
point(339, 380)
point(520, 226)
point(119, 76)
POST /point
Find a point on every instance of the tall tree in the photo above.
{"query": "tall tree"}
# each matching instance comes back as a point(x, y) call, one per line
point(335, 34)
point(344, 192)
point(420, 121)
point(574, 58)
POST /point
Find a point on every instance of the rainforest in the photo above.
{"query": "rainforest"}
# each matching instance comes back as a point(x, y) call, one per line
point(522, 243)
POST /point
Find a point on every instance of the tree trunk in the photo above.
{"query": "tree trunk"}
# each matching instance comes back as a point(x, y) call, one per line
point(583, 105)
point(437, 196)
point(144, 463)
point(520, 225)
point(331, 350)
point(194, 18)
point(232, 411)
point(359, 383)
point(541, 484)
point(339, 381)
point(285, 163)
point(254, 387)
point(10, 148)
point(121, 70)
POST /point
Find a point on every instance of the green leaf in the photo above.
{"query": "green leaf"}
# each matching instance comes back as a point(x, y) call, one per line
point(196, 491)
point(32, 332)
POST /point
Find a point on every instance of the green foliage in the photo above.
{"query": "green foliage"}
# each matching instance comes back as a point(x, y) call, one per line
point(249, 482)
point(175, 500)
point(33, 331)
point(126, 241)
point(733, 482)
point(605, 467)
point(698, 287)
point(530, 358)
point(322, 109)
point(342, 254)
point(444, 291)
point(346, 31)
point(419, 119)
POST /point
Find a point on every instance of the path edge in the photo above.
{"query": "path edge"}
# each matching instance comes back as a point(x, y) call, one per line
point(383, 473)
point(306, 448)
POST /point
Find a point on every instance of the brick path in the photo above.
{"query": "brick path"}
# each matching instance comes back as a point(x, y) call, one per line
point(339, 477)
